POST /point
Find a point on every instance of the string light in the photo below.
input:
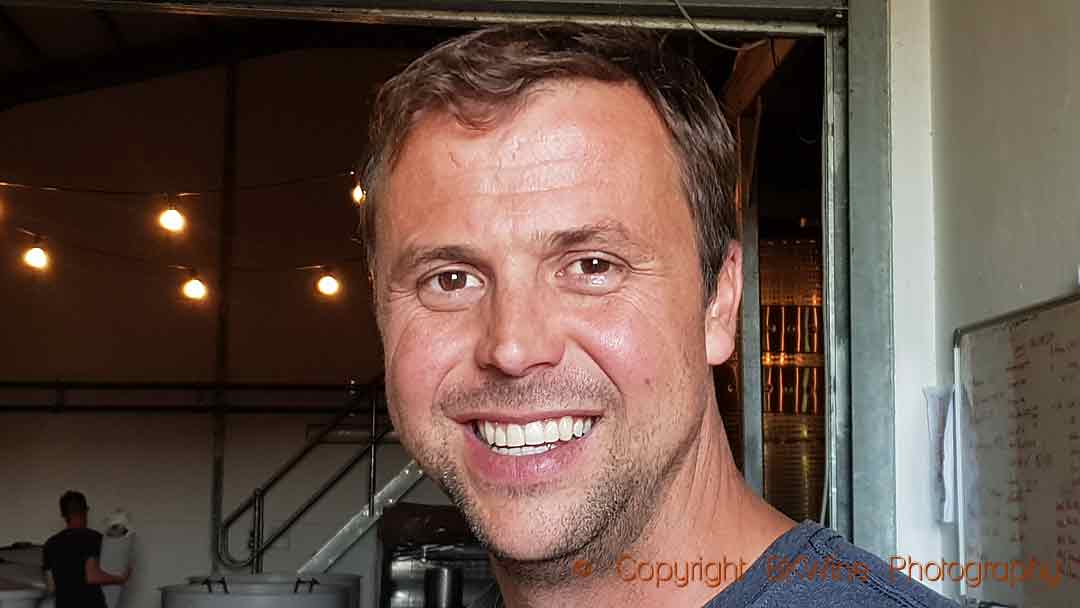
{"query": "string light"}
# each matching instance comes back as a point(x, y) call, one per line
point(172, 220)
point(328, 285)
point(36, 258)
point(194, 289)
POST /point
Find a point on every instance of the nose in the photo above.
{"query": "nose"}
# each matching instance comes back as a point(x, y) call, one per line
point(521, 333)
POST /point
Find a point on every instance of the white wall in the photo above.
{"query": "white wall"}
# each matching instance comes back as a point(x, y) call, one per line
point(157, 467)
point(1006, 94)
point(986, 196)
point(915, 321)
point(1005, 150)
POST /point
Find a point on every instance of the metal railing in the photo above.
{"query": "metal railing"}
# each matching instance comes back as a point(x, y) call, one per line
point(258, 543)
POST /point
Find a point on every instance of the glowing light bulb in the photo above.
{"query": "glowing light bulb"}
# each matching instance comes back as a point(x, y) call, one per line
point(35, 257)
point(172, 220)
point(194, 289)
point(328, 285)
point(358, 194)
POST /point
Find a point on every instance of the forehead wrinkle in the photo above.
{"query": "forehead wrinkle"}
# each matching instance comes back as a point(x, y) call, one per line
point(512, 161)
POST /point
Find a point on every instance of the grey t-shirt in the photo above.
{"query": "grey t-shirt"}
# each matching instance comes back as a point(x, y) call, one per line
point(811, 567)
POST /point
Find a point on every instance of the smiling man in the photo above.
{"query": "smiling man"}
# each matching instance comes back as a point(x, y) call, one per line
point(551, 234)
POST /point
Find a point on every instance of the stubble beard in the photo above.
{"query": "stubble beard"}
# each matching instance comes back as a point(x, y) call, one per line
point(618, 508)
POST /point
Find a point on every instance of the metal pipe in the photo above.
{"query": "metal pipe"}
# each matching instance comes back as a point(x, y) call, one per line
point(226, 228)
point(837, 284)
point(257, 529)
point(461, 18)
point(372, 465)
point(750, 354)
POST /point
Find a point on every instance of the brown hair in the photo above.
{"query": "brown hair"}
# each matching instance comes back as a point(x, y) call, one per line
point(481, 77)
point(72, 503)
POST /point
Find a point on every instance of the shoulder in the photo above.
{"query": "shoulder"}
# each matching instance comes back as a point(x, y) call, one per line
point(841, 574)
point(92, 539)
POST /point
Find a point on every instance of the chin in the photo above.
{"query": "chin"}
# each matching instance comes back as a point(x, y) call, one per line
point(527, 530)
point(519, 548)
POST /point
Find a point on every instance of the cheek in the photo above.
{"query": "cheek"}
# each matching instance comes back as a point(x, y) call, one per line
point(642, 348)
point(422, 351)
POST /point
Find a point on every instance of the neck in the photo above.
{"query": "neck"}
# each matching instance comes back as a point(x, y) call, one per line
point(707, 516)
point(76, 522)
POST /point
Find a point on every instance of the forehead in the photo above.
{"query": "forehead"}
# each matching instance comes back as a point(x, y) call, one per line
point(581, 145)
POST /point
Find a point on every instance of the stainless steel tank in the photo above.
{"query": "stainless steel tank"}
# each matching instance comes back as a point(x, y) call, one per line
point(353, 582)
point(223, 594)
point(794, 463)
point(409, 579)
point(17, 596)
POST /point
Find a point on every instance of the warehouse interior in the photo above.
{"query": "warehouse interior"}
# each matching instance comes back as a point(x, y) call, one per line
point(113, 388)
point(175, 412)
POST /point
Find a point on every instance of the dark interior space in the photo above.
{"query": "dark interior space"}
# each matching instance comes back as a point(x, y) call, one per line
point(114, 116)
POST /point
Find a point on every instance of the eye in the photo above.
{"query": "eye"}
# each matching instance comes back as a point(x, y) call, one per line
point(593, 274)
point(450, 290)
point(593, 265)
point(453, 280)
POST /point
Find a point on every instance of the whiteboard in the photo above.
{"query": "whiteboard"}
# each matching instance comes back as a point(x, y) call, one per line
point(1018, 431)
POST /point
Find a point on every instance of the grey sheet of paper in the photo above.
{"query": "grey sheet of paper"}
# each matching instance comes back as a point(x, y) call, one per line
point(937, 414)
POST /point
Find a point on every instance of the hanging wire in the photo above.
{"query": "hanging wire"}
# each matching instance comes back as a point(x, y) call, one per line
point(158, 193)
point(67, 244)
point(338, 263)
point(159, 264)
point(714, 41)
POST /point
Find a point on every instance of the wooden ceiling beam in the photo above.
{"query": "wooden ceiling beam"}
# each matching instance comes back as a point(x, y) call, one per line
point(22, 40)
point(117, 36)
point(219, 45)
point(753, 69)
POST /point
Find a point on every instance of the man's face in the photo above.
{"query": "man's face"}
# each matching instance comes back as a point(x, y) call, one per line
point(539, 284)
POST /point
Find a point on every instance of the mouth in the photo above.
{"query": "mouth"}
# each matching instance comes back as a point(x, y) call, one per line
point(532, 438)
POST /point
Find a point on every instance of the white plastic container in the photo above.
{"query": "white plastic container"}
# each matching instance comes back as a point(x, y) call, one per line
point(116, 550)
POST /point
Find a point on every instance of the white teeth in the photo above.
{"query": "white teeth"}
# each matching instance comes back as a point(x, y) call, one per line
point(535, 437)
point(566, 428)
point(534, 433)
point(551, 431)
point(515, 435)
point(527, 450)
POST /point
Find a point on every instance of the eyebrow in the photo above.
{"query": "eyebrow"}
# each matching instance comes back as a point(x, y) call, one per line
point(415, 256)
point(610, 232)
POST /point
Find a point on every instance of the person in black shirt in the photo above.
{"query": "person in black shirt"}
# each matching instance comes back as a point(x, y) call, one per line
point(71, 559)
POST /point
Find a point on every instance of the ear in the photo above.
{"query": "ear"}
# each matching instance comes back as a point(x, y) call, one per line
point(722, 313)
